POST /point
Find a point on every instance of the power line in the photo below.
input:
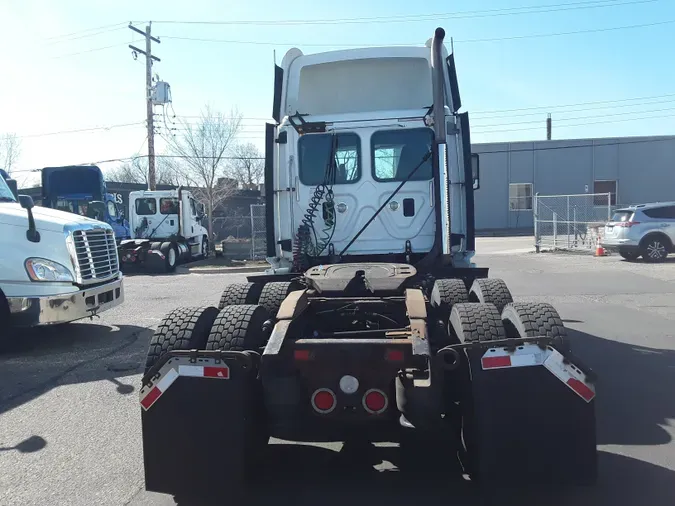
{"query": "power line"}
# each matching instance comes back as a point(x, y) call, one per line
point(80, 130)
point(558, 34)
point(104, 27)
point(577, 124)
point(459, 41)
point(87, 35)
point(510, 11)
point(574, 105)
point(576, 118)
point(595, 142)
point(85, 51)
point(545, 109)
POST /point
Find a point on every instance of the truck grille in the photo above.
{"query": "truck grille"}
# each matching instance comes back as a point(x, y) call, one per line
point(96, 253)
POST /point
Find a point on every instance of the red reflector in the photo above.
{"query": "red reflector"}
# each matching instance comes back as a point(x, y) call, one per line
point(216, 372)
point(323, 400)
point(375, 401)
point(579, 387)
point(492, 362)
point(395, 355)
point(301, 354)
point(150, 399)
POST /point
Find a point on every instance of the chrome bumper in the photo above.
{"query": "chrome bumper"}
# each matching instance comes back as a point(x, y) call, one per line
point(53, 309)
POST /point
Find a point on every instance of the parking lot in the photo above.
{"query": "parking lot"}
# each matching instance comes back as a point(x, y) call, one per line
point(70, 418)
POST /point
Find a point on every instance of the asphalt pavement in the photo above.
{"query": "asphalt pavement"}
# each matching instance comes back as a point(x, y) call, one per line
point(70, 418)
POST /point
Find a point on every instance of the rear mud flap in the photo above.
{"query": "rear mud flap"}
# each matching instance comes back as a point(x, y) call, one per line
point(201, 423)
point(534, 418)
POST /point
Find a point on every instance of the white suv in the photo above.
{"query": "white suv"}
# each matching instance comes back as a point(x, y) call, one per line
point(646, 230)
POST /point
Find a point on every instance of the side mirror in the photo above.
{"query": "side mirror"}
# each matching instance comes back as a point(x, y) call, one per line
point(475, 170)
point(26, 201)
point(13, 187)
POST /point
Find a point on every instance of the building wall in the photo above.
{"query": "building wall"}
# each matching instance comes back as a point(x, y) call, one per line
point(643, 168)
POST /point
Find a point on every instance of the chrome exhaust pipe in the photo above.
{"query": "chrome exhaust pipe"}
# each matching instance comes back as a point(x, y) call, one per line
point(438, 83)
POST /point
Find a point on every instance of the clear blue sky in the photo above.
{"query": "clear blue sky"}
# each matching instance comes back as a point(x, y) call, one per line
point(46, 87)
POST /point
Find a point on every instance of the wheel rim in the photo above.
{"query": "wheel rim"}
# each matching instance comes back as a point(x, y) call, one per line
point(172, 257)
point(205, 248)
point(656, 250)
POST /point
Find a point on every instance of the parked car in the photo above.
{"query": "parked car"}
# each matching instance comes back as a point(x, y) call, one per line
point(646, 230)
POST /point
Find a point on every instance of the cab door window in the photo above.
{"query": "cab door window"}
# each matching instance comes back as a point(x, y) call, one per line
point(314, 157)
point(146, 206)
point(396, 153)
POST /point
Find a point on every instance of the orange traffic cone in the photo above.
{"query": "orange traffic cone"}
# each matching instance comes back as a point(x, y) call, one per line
point(599, 250)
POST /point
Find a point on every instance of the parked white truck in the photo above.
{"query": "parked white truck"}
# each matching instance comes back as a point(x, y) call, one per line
point(166, 229)
point(55, 267)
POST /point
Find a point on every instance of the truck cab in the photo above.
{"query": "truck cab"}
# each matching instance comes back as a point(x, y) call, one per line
point(56, 267)
point(353, 126)
point(166, 229)
point(82, 190)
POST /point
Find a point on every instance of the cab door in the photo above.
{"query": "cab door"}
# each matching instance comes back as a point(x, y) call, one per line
point(369, 164)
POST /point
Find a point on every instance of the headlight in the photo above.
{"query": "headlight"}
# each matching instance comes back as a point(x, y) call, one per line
point(41, 269)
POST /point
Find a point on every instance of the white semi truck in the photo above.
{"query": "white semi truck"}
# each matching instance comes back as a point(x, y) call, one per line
point(373, 323)
point(166, 229)
point(55, 267)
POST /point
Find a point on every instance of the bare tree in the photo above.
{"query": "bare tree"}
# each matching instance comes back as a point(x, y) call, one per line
point(10, 150)
point(136, 171)
point(248, 164)
point(202, 149)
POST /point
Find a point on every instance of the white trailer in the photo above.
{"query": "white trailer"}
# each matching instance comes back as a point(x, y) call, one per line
point(166, 229)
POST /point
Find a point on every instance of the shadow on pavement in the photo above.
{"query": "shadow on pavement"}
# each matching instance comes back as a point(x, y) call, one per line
point(312, 475)
point(75, 353)
point(635, 398)
point(30, 445)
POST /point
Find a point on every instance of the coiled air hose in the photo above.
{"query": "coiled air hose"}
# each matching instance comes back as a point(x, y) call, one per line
point(304, 245)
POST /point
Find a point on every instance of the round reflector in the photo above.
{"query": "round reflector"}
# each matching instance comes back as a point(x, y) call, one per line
point(323, 400)
point(349, 384)
point(375, 401)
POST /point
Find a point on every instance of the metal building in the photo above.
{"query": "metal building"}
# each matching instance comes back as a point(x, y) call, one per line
point(633, 169)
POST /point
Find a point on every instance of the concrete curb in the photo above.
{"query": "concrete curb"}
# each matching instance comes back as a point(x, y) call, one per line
point(223, 270)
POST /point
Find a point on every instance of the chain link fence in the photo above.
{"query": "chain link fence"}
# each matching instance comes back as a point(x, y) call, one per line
point(570, 222)
point(258, 232)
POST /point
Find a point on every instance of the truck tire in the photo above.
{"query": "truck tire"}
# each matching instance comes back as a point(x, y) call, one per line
point(534, 319)
point(239, 328)
point(472, 323)
point(185, 328)
point(476, 322)
point(7, 334)
point(170, 253)
point(445, 294)
point(490, 291)
point(205, 248)
point(237, 294)
point(273, 294)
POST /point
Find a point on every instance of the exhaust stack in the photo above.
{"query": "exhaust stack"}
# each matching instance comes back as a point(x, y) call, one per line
point(438, 83)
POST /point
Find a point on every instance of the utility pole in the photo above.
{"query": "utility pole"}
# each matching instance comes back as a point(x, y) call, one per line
point(548, 127)
point(148, 98)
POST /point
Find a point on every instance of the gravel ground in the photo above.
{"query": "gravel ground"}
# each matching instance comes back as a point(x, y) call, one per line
point(70, 421)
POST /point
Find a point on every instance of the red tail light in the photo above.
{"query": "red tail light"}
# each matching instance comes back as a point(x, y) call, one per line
point(375, 401)
point(324, 401)
point(627, 224)
point(394, 356)
point(301, 355)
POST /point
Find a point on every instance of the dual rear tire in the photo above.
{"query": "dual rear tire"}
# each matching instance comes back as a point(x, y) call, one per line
point(521, 421)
